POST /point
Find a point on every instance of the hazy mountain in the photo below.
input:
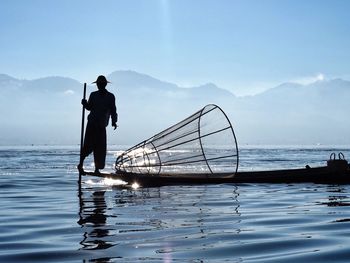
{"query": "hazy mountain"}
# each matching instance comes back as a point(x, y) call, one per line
point(314, 113)
point(48, 110)
point(134, 84)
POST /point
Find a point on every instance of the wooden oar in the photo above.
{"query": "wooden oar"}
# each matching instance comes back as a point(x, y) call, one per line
point(82, 130)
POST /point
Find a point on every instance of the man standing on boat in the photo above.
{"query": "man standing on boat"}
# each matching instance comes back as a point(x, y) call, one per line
point(101, 105)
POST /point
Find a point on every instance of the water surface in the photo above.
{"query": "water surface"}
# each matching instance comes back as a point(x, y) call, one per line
point(47, 217)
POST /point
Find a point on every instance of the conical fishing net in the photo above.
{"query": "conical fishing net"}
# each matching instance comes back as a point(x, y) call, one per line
point(204, 144)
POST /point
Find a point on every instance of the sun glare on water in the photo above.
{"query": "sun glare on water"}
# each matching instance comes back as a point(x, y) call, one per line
point(135, 186)
point(112, 182)
point(107, 182)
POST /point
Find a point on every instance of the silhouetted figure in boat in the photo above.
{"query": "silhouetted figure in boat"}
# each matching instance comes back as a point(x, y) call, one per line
point(101, 105)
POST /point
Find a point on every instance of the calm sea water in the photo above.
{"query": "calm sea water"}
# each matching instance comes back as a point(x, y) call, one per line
point(46, 217)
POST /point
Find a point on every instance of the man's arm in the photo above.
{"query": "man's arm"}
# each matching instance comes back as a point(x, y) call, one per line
point(114, 114)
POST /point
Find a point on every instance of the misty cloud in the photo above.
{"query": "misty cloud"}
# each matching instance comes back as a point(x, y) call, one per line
point(69, 92)
point(309, 79)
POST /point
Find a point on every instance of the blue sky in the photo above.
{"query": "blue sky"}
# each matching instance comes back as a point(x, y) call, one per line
point(243, 46)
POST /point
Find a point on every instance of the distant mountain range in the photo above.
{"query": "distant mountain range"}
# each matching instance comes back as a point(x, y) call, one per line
point(48, 110)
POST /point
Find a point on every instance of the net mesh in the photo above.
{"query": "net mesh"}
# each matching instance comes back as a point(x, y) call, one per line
point(204, 144)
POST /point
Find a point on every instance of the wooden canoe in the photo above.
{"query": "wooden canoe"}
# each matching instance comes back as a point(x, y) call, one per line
point(326, 174)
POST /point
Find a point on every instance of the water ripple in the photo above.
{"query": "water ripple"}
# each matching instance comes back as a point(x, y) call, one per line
point(47, 217)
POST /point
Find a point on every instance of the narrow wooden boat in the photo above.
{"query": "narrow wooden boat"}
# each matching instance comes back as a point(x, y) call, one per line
point(336, 172)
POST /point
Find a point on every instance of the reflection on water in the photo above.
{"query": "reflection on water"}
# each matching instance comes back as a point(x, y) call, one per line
point(338, 199)
point(208, 223)
point(157, 224)
point(93, 219)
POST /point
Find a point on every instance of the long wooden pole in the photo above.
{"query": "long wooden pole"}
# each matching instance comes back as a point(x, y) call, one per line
point(82, 130)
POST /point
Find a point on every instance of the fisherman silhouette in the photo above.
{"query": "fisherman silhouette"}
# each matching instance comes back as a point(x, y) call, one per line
point(101, 105)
